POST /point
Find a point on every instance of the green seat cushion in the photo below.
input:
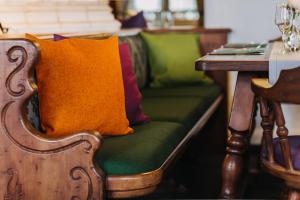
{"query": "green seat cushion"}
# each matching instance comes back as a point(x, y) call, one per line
point(195, 90)
point(143, 151)
point(179, 105)
point(172, 58)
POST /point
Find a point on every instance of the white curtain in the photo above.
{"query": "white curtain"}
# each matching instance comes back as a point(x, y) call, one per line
point(57, 16)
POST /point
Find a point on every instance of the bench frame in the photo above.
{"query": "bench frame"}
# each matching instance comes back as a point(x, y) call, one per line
point(32, 162)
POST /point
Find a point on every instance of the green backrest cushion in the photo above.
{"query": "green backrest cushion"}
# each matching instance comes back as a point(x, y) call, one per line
point(172, 58)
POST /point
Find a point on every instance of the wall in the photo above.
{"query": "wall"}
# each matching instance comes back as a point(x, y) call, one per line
point(250, 21)
point(59, 16)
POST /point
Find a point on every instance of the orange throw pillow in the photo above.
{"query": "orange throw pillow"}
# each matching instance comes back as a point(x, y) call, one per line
point(80, 87)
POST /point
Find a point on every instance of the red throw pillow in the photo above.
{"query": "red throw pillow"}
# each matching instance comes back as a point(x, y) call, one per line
point(133, 96)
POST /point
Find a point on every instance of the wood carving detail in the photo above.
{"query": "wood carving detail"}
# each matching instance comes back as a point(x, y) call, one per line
point(77, 173)
point(27, 154)
point(14, 59)
point(87, 146)
point(14, 188)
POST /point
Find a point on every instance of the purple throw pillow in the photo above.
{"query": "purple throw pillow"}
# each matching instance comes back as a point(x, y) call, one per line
point(133, 96)
point(137, 21)
point(57, 37)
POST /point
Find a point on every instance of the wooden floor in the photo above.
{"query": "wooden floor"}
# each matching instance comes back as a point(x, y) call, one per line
point(197, 174)
point(195, 178)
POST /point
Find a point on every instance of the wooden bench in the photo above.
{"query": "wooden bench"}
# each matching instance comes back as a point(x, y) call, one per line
point(35, 166)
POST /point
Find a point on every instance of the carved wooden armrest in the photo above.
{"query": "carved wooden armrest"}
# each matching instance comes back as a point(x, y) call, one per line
point(34, 166)
point(285, 90)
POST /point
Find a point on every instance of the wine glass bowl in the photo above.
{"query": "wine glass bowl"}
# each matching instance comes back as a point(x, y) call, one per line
point(288, 21)
point(283, 17)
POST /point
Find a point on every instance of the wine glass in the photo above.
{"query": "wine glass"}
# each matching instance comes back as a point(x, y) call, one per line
point(294, 35)
point(284, 19)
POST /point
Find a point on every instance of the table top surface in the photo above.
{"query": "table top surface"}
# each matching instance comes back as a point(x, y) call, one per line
point(235, 62)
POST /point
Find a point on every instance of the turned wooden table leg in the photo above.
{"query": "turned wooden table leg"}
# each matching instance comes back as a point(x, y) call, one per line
point(290, 193)
point(239, 125)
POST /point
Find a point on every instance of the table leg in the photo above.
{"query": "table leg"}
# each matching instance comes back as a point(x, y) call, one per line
point(239, 125)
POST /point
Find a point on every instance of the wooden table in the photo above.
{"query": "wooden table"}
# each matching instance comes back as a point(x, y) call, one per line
point(241, 117)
